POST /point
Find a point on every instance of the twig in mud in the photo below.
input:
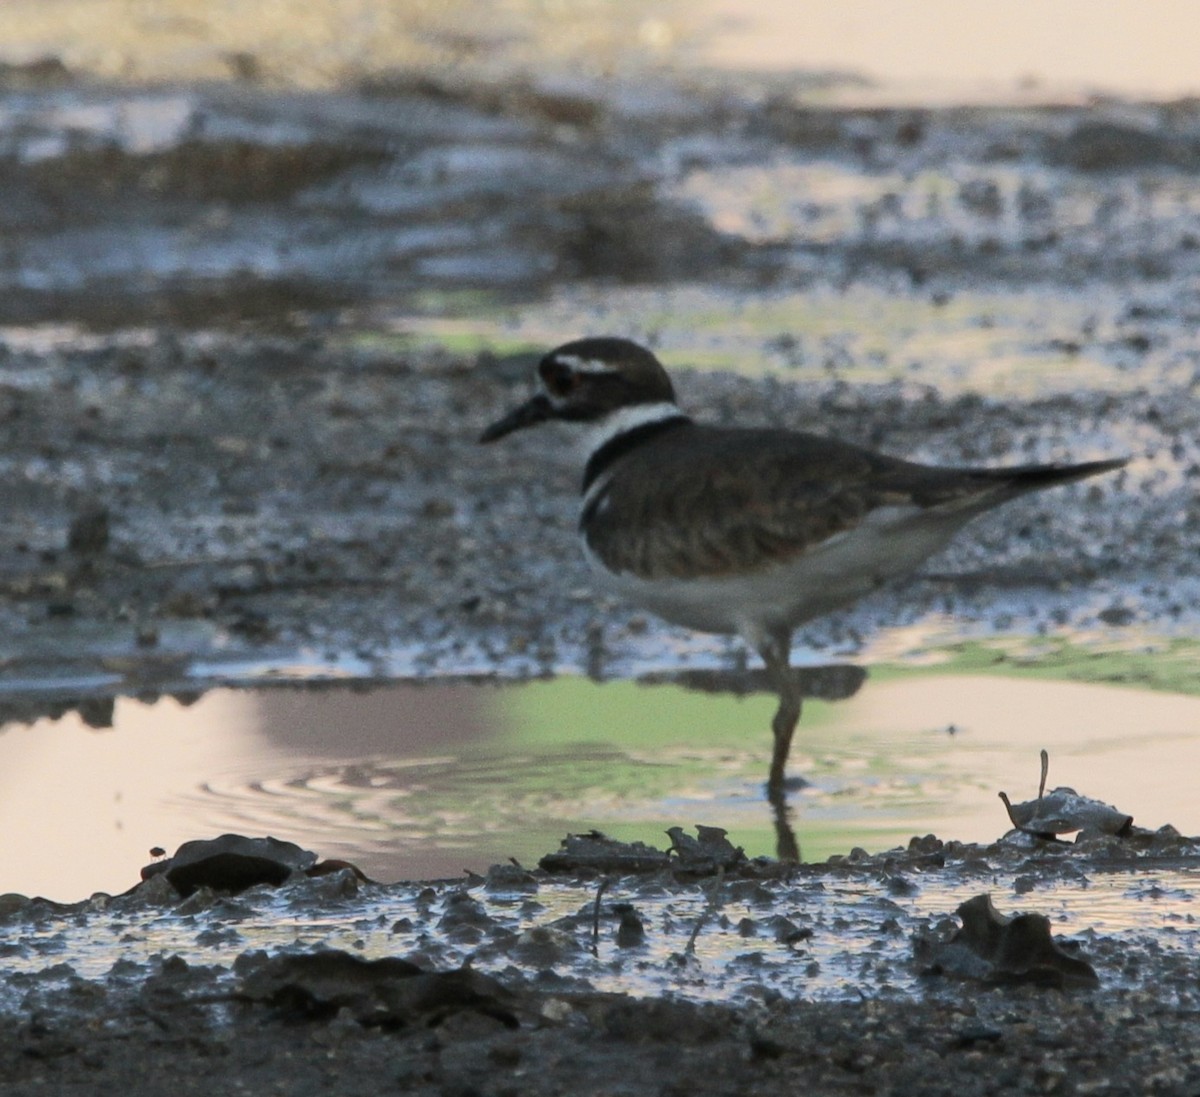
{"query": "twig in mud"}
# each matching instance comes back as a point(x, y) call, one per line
point(596, 917)
point(706, 913)
point(1045, 836)
point(1022, 827)
point(1011, 817)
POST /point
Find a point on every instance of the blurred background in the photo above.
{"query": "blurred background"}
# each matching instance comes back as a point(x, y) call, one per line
point(199, 164)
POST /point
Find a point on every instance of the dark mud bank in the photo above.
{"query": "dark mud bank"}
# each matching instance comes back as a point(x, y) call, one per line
point(173, 499)
point(745, 976)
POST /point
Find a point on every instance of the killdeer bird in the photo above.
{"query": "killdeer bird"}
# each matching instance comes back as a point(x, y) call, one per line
point(746, 531)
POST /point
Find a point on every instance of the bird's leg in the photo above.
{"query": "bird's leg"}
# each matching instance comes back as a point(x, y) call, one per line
point(786, 846)
point(776, 653)
point(775, 650)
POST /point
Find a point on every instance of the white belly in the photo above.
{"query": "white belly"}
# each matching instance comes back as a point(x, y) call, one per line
point(890, 543)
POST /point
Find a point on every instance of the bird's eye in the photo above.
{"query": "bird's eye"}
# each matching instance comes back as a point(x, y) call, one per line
point(559, 379)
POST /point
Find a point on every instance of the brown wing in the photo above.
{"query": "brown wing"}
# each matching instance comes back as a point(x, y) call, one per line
point(760, 497)
point(746, 499)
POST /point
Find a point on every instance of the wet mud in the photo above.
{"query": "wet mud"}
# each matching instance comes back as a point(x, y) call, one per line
point(697, 970)
point(278, 502)
point(252, 319)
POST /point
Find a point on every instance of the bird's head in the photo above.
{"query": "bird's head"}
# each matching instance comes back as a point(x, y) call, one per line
point(593, 381)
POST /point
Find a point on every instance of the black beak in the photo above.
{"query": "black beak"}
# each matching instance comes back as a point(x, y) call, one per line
point(529, 414)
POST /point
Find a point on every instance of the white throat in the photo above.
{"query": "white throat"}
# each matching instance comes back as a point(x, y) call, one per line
point(603, 431)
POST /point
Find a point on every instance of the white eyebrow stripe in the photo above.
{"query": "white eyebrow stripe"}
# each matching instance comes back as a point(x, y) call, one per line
point(584, 365)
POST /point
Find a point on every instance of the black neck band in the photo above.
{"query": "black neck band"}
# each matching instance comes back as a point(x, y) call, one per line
point(619, 445)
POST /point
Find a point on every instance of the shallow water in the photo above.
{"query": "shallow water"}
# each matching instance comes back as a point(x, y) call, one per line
point(425, 780)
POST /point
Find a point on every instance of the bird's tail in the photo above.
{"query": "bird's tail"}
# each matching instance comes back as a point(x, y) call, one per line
point(1022, 478)
point(972, 491)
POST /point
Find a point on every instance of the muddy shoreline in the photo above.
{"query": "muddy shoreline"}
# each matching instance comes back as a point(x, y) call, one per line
point(528, 1012)
point(269, 502)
